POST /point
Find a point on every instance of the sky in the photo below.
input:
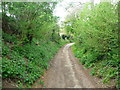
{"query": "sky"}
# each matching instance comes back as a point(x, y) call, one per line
point(60, 8)
point(61, 11)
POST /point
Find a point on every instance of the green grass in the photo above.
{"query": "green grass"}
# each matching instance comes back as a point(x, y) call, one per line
point(41, 82)
point(104, 67)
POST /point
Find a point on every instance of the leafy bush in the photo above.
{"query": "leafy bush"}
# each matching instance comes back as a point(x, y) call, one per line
point(11, 38)
point(30, 39)
point(27, 62)
point(5, 49)
point(96, 37)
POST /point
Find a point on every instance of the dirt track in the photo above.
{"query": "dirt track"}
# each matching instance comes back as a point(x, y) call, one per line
point(66, 72)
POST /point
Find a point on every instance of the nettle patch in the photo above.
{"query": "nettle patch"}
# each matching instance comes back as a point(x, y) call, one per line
point(26, 63)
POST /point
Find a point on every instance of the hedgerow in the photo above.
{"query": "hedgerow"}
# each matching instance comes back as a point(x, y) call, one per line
point(95, 32)
point(30, 39)
point(27, 62)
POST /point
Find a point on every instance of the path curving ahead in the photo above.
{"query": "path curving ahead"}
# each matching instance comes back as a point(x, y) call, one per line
point(66, 72)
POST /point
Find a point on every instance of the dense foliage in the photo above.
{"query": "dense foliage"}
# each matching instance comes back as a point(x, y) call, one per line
point(27, 63)
point(28, 20)
point(30, 40)
point(95, 32)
